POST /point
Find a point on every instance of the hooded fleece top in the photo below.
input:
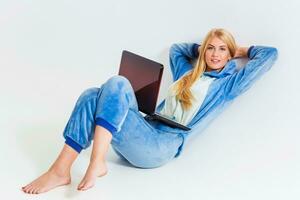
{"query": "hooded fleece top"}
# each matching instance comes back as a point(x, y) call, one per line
point(217, 92)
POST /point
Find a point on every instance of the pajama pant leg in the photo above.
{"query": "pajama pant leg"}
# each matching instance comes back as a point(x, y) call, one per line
point(114, 107)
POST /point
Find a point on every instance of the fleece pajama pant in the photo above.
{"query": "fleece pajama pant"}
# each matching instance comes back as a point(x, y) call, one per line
point(114, 107)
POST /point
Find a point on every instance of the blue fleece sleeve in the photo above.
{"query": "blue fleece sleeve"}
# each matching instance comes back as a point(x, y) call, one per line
point(180, 58)
point(261, 60)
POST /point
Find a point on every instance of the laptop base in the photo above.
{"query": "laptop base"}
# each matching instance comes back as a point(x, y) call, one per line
point(167, 121)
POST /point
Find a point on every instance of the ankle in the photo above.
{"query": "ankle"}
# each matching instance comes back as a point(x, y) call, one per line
point(97, 160)
point(59, 171)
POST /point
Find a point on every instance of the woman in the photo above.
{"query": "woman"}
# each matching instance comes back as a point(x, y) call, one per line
point(109, 114)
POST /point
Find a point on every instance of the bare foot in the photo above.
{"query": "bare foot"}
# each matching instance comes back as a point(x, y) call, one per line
point(95, 169)
point(46, 182)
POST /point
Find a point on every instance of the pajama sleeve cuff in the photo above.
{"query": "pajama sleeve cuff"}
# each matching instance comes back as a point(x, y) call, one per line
point(249, 50)
point(195, 50)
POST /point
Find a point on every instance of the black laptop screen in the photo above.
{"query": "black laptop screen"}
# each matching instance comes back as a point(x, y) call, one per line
point(145, 77)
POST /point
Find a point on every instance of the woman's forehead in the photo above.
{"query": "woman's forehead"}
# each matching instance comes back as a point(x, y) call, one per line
point(215, 41)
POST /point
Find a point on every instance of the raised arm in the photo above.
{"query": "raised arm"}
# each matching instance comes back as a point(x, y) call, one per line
point(180, 58)
point(261, 60)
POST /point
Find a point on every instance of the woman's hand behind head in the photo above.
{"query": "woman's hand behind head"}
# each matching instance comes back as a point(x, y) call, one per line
point(241, 52)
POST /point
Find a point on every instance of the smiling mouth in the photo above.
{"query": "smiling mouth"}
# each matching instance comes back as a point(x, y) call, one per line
point(215, 61)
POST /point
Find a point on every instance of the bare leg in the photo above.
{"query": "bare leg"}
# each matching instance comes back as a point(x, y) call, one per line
point(97, 166)
point(57, 175)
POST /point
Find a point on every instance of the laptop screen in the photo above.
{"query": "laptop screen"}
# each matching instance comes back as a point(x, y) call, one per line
point(145, 77)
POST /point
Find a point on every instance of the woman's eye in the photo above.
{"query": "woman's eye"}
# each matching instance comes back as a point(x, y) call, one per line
point(209, 48)
point(223, 49)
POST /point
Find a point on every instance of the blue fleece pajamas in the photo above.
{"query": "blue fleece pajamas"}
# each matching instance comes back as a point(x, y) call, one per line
point(148, 144)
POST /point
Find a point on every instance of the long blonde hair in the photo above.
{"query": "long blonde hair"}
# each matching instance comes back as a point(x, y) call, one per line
point(182, 87)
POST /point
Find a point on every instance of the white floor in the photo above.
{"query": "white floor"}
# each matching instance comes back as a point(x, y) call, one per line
point(251, 151)
point(227, 161)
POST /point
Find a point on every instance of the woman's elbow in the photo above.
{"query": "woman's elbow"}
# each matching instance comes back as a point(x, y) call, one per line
point(273, 52)
point(174, 48)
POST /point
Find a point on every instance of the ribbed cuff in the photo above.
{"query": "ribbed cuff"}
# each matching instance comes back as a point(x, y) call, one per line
point(195, 50)
point(249, 50)
point(73, 144)
point(105, 124)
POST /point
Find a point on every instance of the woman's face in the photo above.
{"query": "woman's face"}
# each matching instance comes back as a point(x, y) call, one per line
point(217, 54)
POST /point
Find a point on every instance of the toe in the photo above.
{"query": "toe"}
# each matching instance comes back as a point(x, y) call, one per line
point(84, 187)
point(87, 186)
point(32, 190)
point(27, 189)
point(35, 191)
point(80, 185)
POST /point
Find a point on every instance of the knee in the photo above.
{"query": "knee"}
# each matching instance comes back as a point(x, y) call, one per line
point(118, 82)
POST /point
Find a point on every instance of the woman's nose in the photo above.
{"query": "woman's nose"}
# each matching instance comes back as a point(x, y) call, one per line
point(215, 53)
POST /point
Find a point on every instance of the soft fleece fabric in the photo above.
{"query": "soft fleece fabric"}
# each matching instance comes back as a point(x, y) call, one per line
point(145, 143)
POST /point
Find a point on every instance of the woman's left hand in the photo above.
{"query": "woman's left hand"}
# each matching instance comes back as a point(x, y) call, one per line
point(241, 52)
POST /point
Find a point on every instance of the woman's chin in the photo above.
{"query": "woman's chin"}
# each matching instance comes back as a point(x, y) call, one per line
point(216, 68)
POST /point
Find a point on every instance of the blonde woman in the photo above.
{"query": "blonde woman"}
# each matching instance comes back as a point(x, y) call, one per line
point(109, 115)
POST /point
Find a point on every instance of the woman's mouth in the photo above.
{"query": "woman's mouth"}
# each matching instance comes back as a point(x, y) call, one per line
point(215, 61)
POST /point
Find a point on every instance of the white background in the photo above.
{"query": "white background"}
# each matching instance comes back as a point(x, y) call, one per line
point(50, 51)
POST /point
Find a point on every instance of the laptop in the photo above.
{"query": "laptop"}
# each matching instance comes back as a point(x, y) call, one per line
point(145, 77)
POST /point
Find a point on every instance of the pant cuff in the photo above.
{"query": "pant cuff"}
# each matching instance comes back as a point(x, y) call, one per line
point(105, 124)
point(73, 144)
